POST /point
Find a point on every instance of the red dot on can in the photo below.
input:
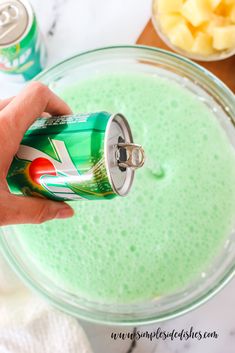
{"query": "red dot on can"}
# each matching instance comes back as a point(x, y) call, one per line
point(40, 167)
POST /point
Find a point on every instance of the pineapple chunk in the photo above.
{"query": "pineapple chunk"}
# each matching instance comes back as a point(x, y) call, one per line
point(167, 6)
point(224, 37)
point(222, 9)
point(228, 2)
point(181, 37)
point(196, 11)
point(213, 3)
point(203, 44)
point(216, 21)
point(169, 21)
point(232, 14)
point(201, 27)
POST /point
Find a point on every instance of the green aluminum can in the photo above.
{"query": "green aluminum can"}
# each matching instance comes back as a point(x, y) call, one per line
point(22, 50)
point(85, 156)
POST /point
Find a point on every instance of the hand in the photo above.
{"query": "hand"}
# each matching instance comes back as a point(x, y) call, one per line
point(16, 116)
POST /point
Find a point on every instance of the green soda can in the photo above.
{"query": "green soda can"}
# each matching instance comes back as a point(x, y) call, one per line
point(85, 156)
point(22, 51)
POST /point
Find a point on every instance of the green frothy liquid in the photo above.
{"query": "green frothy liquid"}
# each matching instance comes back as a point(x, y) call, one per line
point(180, 210)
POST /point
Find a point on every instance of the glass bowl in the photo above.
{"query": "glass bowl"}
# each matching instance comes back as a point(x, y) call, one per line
point(213, 57)
point(214, 94)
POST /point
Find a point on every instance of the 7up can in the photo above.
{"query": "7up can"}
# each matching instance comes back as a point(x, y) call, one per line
point(85, 156)
point(22, 51)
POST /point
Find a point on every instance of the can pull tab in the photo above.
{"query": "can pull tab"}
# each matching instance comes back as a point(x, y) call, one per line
point(8, 15)
point(130, 155)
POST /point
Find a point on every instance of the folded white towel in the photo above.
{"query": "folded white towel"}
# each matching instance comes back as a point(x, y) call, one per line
point(28, 325)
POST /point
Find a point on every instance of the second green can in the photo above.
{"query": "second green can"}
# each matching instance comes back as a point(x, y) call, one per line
point(84, 156)
point(22, 50)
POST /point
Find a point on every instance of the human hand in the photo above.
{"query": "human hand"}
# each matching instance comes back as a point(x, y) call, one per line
point(16, 116)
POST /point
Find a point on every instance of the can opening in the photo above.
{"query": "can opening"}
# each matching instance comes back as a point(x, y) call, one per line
point(123, 157)
point(123, 154)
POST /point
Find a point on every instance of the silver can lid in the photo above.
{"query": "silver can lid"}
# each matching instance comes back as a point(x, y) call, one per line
point(15, 18)
point(121, 154)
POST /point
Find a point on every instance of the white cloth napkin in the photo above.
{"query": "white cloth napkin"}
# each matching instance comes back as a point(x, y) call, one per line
point(28, 325)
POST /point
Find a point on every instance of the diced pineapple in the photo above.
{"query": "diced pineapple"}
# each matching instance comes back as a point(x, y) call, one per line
point(169, 21)
point(203, 44)
point(202, 27)
point(224, 37)
point(213, 3)
point(181, 37)
point(168, 6)
point(228, 2)
point(222, 9)
point(216, 21)
point(196, 11)
point(231, 15)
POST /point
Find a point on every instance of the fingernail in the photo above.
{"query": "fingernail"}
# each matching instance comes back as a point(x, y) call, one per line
point(65, 212)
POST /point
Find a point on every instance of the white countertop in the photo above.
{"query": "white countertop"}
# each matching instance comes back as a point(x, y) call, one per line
point(72, 26)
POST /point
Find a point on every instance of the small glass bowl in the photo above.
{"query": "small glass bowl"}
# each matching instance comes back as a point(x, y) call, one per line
point(156, 63)
point(213, 57)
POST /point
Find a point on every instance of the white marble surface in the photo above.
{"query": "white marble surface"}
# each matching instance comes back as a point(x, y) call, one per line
point(216, 315)
point(72, 26)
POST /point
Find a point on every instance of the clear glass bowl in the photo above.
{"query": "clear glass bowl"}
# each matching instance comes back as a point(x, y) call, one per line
point(213, 57)
point(214, 94)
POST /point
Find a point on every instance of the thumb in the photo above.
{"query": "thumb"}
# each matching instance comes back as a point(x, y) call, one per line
point(20, 209)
